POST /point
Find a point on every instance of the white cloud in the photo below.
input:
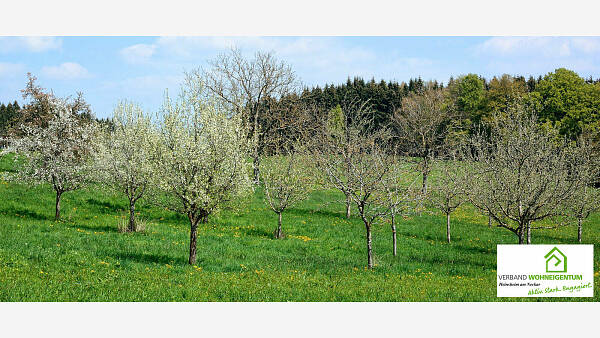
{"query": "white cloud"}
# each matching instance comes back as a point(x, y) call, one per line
point(558, 47)
point(66, 71)
point(11, 69)
point(138, 53)
point(41, 43)
point(539, 55)
point(318, 57)
point(289, 47)
point(587, 45)
point(189, 46)
point(34, 44)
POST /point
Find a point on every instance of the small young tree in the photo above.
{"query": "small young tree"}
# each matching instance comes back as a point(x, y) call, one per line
point(336, 142)
point(586, 199)
point(522, 173)
point(401, 194)
point(421, 128)
point(447, 192)
point(59, 153)
point(370, 178)
point(125, 159)
point(286, 182)
point(202, 155)
point(364, 175)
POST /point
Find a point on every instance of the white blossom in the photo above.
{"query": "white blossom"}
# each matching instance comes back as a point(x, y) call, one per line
point(127, 152)
point(59, 154)
point(202, 159)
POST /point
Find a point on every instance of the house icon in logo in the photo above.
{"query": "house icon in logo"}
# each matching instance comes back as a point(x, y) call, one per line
point(556, 261)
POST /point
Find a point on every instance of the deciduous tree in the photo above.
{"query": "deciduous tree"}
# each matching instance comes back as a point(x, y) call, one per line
point(335, 142)
point(286, 182)
point(39, 107)
point(361, 166)
point(447, 191)
point(586, 199)
point(522, 174)
point(566, 101)
point(59, 153)
point(503, 91)
point(127, 152)
point(202, 155)
point(242, 84)
point(401, 193)
point(421, 128)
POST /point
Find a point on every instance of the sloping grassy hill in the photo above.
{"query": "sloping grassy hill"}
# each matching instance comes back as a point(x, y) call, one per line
point(84, 258)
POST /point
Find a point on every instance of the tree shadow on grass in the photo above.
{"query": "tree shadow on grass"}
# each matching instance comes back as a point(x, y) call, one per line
point(150, 258)
point(542, 238)
point(28, 213)
point(320, 212)
point(105, 228)
point(474, 249)
point(450, 265)
point(438, 239)
point(104, 205)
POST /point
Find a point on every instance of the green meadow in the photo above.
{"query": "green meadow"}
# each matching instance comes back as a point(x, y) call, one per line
point(323, 258)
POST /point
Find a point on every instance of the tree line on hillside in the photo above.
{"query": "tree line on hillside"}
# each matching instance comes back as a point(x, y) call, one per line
point(8, 116)
point(561, 98)
point(524, 153)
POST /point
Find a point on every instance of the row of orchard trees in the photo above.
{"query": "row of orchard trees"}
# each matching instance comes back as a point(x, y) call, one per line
point(515, 170)
point(206, 148)
point(194, 151)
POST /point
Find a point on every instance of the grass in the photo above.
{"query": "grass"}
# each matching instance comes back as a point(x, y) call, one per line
point(85, 258)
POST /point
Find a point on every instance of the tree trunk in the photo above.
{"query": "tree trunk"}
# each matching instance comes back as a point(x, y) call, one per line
point(348, 205)
point(393, 234)
point(369, 248)
point(255, 151)
point(489, 220)
point(194, 220)
point(193, 237)
point(521, 235)
point(278, 231)
point(131, 226)
point(57, 210)
point(424, 187)
point(528, 233)
point(256, 169)
point(423, 192)
point(448, 227)
point(521, 229)
point(579, 230)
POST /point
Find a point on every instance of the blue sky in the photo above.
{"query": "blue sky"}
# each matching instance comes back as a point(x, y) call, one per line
point(107, 69)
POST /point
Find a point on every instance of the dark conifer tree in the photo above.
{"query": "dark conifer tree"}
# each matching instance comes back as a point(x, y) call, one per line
point(531, 84)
